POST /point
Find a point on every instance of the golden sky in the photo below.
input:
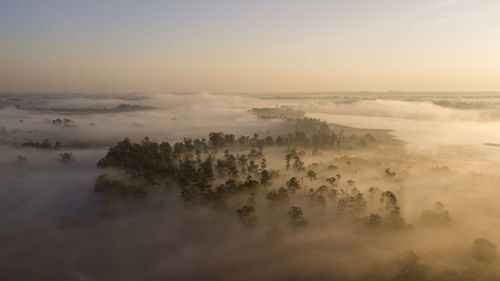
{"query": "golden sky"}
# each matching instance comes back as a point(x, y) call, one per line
point(254, 46)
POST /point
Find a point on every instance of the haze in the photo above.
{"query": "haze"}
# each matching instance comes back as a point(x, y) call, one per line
point(249, 46)
point(249, 140)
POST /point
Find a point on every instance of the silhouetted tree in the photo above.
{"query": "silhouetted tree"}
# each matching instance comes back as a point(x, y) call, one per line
point(279, 141)
point(485, 251)
point(296, 216)
point(331, 180)
point(66, 156)
point(265, 177)
point(293, 185)
point(311, 175)
point(297, 164)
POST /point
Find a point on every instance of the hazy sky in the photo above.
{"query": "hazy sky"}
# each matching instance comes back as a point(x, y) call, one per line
point(249, 46)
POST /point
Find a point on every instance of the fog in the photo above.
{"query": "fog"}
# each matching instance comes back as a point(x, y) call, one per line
point(55, 227)
point(172, 117)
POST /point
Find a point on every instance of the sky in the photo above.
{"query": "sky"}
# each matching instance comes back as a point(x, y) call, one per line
point(109, 46)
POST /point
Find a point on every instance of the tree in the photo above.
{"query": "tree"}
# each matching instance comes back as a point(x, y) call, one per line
point(219, 167)
point(206, 171)
point(296, 216)
point(243, 140)
point(288, 158)
point(232, 170)
point(311, 175)
point(242, 160)
point(263, 164)
point(388, 173)
point(293, 185)
point(281, 195)
point(411, 269)
point(265, 177)
point(187, 170)
point(485, 251)
point(112, 188)
point(389, 200)
point(318, 195)
point(231, 185)
point(250, 182)
point(438, 216)
point(165, 149)
point(227, 166)
point(351, 202)
point(45, 144)
point(297, 164)
point(331, 180)
point(65, 156)
point(198, 191)
point(247, 214)
point(252, 167)
point(229, 139)
point(57, 145)
point(255, 140)
point(188, 144)
point(332, 167)
point(279, 141)
point(269, 140)
point(178, 149)
point(301, 139)
point(216, 140)
point(254, 154)
point(373, 220)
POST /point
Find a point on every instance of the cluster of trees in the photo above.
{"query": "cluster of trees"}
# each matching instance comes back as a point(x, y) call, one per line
point(205, 175)
point(438, 216)
point(65, 123)
point(87, 110)
point(484, 251)
point(305, 132)
point(63, 157)
point(282, 112)
point(191, 165)
point(112, 188)
point(150, 159)
point(18, 136)
point(375, 210)
point(45, 144)
point(293, 160)
point(309, 132)
point(66, 156)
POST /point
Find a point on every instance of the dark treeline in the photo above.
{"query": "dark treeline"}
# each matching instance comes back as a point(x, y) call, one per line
point(282, 112)
point(87, 110)
point(191, 163)
point(65, 123)
point(48, 144)
point(45, 144)
point(317, 134)
point(309, 131)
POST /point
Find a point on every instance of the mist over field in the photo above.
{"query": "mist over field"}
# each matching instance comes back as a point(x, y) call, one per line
point(272, 140)
point(392, 187)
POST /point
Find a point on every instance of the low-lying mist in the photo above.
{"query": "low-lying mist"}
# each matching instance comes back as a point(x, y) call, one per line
point(363, 205)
